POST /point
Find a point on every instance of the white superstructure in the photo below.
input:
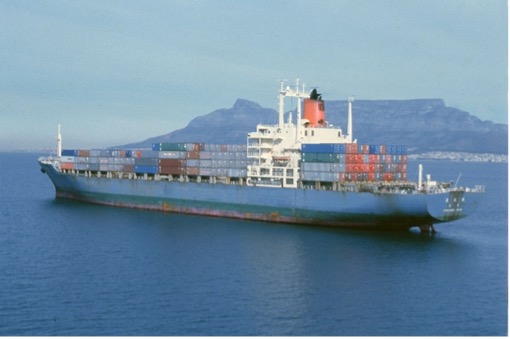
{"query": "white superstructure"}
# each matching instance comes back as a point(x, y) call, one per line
point(276, 149)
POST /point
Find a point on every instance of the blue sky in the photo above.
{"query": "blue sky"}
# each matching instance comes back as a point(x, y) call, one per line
point(114, 72)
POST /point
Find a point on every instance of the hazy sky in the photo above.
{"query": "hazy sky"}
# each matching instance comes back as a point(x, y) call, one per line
point(113, 72)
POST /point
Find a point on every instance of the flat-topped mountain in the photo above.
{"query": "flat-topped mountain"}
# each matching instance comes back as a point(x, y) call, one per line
point(421, 124)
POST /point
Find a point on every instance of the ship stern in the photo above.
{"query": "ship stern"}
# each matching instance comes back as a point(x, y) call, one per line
point(454, 205)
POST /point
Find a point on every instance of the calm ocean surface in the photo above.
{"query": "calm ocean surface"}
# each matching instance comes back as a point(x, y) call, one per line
point(69, 268)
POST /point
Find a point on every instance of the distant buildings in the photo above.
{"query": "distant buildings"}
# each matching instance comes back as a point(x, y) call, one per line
point(460, 156)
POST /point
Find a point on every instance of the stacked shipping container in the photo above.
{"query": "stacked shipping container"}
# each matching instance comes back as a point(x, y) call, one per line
point(209, 160)
point(319, 162)
point(353, 162)
point(174, 159)
point(103, 160)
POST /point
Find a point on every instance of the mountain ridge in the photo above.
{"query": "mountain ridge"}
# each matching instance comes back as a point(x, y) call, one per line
point(423, 125)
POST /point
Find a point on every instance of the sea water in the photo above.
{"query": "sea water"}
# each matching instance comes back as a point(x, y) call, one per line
point(71, 268)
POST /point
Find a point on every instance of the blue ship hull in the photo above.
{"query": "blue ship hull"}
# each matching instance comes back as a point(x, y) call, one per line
point(287, 205)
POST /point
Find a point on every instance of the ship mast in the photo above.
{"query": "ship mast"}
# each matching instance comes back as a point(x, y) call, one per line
point(59, 142)
point(289, 92)
point(349, 118)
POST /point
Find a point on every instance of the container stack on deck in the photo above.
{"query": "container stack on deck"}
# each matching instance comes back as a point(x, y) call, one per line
point(353, 162)
point(174, 159)
point(319, 162)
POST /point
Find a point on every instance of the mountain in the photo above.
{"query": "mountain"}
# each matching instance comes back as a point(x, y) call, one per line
point(422, 124)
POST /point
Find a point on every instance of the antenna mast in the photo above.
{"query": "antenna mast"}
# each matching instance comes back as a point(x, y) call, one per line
point(349, 118)
point(59, 142)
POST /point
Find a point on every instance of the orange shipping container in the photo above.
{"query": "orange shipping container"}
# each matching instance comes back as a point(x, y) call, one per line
point(66, 165)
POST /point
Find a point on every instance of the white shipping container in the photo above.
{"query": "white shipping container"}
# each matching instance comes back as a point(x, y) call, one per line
point(205, 163)
point(94, 152)
point(171, 155)
point(319, 176)
point(193, 163)
point(205, 155)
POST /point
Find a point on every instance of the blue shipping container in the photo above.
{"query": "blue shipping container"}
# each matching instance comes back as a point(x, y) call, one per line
point(140, 169)
point(324, 148)
point(69, 152)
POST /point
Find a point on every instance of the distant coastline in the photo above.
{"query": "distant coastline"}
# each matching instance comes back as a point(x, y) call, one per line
point(460, 156)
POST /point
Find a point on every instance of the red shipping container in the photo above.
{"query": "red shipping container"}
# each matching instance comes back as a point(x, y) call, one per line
point(172, 162)
point(359, 158)
point(172, 170)
point(383, 149)
point(403, 159)
point(351, 148)
point(371, 176)
point(351, 158)
point(67, 165)
point(389, 176)
point(387, 159)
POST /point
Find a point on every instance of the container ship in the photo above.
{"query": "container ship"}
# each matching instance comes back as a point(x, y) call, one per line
point(302, 170)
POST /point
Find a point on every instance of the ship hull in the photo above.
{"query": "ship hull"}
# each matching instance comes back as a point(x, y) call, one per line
point(286, 205)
